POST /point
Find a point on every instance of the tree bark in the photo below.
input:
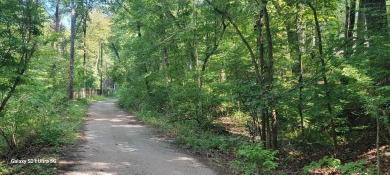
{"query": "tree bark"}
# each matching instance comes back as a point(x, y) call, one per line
point(145, 67)
point(352, 18)
point(25, 59)
point(57, 16)
point(72, 50)
point(101, 70)
point(115, 51)
point(272, 103)
point(378, 155)
point(260, 48)
point(349, 26)
point(199, 115)
point(85, 48)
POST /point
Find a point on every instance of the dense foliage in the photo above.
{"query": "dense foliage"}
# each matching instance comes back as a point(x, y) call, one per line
point(313, 74)
point(36, 117)
point(294, 79)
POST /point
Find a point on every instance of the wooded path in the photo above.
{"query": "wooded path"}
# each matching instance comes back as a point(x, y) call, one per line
point(116, 143)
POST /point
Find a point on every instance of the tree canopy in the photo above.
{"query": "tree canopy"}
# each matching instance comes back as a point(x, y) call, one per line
point(306, 78)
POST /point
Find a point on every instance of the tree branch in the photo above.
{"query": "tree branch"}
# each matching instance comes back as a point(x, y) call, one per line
point(244, 40)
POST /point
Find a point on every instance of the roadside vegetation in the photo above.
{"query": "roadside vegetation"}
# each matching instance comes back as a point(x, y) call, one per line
point(43, 136)
point(41, 145)
point(257, 86)
point(272, 87)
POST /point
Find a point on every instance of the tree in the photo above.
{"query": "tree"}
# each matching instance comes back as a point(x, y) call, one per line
point(72, 50)
point(377, 31)
point(325, 78)
point(293, 72)
point(19, 39)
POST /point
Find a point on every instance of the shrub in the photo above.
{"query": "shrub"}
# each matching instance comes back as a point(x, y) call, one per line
point(334, 165)
point(257, 160)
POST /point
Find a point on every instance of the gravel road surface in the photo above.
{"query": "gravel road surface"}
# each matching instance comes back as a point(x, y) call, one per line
point(117, 144)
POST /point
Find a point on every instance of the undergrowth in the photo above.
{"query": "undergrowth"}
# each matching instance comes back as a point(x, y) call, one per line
point(244, 157)
point(43, 137)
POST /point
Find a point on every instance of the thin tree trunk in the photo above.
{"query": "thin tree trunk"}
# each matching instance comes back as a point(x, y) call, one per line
point(272, 104)
point(378, 155)
point(243, 39)
point(115, 51)
point(346, 28)
point(145, 67)
point(198, 69)
point(56, 21)
point(349, 27)
point(300, 102)
point(9, 142)
point(269, 135)
point(101, 69)
point(72, 50)
point(325, 79)
point(85, 49)
point(57, 16)
point(361, 27)
point(260, 48)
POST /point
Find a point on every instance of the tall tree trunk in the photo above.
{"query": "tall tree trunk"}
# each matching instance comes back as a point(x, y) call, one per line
point(85, 48)
point(361, 27)
point(56, 21)
point(115, 51)
point(164, 50)
point(352, 18)
point(145, 67)
point(272, 103)
point(72, 50)
point(101, 69)
point(378, 155)
point(260, 48)
point(300, 102)
point(325, 79)
point(349, 26)
point(199, 115)
point(259, 76)
point(346, 28)
point(57, 16)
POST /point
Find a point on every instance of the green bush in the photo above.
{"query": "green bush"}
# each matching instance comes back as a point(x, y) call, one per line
point(335, 165)
point(327, 162)
point(257, 160)
point(354, 167)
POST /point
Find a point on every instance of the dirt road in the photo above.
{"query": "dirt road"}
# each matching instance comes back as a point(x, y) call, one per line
point(116, 144)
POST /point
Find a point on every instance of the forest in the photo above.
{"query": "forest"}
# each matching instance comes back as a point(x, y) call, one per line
point(254, 86)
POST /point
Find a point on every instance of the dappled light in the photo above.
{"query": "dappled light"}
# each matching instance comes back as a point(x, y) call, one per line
point(115, 143)
point(128, 126)
point(226, 87)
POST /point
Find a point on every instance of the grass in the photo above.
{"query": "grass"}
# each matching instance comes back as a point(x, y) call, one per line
point(52, 142)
